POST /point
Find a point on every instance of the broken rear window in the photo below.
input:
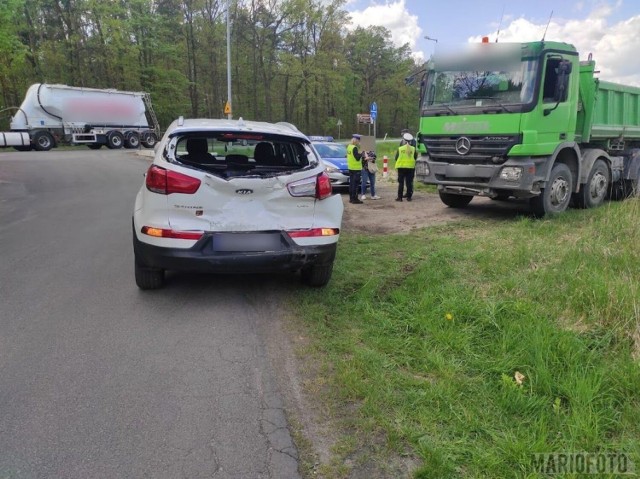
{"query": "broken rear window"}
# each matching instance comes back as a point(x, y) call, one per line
point(231, 154)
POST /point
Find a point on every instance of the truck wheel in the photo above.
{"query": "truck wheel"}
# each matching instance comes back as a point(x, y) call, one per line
point(115, 140)
point(131, 140)
point(317, 275)
point(43, 141)
point(149, 140)
point(556, 196)
point(455, 201)
point(593, 193)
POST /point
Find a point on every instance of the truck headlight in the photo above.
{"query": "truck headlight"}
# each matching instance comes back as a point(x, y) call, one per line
point(511, 173)
point(422, 167)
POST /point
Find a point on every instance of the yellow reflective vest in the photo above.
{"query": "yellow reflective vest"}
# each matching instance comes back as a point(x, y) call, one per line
point(406, 157)
point(352, 162)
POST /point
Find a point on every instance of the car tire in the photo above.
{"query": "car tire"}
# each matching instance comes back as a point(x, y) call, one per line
point(148, 278)
point(317, 275)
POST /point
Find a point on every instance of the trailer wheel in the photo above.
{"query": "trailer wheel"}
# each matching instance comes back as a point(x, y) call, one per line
point(593, 193)
point(43, 141)
point(455, 201)
point(555, 198)
point(115, 140)
point(149, 140)
point(131, 140)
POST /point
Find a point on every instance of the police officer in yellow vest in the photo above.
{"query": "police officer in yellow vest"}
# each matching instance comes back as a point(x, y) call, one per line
point(354, 165)
point(406, 166)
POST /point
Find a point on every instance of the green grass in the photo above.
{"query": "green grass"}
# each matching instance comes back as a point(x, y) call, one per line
point(556, 300)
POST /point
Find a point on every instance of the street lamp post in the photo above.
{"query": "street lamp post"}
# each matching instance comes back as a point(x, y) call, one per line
point(229, 114)
point(427, 37)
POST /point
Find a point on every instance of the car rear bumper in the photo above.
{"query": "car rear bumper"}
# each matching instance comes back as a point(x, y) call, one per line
point(202, 257)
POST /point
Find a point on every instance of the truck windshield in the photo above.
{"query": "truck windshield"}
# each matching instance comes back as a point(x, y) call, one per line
point(478, 85)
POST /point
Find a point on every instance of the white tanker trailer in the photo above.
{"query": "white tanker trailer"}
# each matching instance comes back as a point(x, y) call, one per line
point(51, 114)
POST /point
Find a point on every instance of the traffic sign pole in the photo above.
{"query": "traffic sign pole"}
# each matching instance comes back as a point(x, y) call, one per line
point(373, 111)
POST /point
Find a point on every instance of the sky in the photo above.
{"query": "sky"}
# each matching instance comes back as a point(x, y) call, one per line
point(607, 29)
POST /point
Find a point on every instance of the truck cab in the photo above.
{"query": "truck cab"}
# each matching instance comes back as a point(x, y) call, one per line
point(514, 121)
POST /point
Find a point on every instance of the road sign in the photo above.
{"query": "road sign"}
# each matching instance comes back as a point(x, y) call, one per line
point(373, 110)
point(227, 108)
point(364, 118)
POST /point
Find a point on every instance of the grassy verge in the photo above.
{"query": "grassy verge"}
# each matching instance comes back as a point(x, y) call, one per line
point(472, 346)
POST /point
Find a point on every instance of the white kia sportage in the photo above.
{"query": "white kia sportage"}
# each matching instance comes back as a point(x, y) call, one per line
point(235, 196)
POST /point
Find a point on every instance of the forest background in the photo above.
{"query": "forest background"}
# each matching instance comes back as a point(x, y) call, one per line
point(291, 60)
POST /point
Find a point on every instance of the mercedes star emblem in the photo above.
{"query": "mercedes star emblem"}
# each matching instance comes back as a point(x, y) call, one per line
point(463, 145)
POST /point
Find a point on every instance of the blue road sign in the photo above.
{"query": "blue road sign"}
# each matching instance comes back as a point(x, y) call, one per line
point(374, 111)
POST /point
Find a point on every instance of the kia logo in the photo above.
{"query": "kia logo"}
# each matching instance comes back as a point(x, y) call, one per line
point(244, 192)
point(463, 145)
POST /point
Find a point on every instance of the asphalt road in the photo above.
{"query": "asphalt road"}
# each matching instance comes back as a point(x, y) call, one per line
point(101, 380)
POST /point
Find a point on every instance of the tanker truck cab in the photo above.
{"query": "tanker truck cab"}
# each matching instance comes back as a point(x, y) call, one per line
point(513, 121)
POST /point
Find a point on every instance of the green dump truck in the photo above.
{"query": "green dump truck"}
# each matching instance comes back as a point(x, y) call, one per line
point(527, 121)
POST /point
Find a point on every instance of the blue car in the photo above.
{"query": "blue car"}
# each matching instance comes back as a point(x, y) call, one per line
point(334, 156)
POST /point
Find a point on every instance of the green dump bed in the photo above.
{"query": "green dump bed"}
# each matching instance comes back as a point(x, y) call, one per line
point(610, 110)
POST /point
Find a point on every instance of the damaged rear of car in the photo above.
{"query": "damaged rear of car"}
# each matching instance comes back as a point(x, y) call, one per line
point(229, 196)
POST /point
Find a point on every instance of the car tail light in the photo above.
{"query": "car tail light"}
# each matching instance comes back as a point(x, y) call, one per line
point(166, 233)
point(316, 186)
point(313, 232)
point(323, 186)
point(165, 182)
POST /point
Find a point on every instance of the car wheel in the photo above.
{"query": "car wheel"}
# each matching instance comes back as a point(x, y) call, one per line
point(148, 278)
point(317, 275)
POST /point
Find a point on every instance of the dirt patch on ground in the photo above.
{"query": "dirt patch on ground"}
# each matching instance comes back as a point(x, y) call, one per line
point(387, 216)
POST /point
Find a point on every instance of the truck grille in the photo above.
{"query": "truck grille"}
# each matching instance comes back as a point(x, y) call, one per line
point(478, 149)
